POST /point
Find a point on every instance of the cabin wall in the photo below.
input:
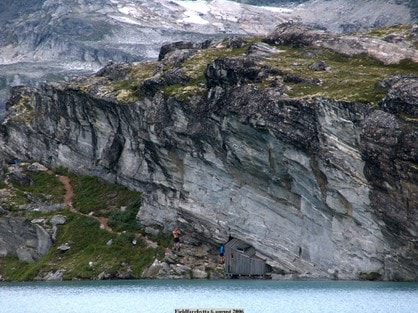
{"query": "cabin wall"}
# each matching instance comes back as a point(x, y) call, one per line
point(237, 263)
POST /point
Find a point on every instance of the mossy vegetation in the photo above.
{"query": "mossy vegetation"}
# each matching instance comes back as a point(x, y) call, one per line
point(107, 252)
point(395, 29)
point(24, 109)
point(372, 276)
point(44, 188)
point(127, 90)
point(194, 68)
point(94, 251)
point(93, 195)
point(124, 90)
point(44, 184)
point(349, 78)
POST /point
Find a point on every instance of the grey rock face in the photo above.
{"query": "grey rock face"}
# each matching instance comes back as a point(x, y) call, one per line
point(320, 188)
point(294, 34)
point(51, 276)
point(45, 40)
point(58, 220)
point(23, 239)
point(390, 148)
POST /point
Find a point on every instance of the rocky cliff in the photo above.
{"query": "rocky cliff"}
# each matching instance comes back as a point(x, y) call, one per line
point(307, 153)
point(44, 40)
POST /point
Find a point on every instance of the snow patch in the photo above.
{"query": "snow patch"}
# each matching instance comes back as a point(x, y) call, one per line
point(193, 19)
point(128, 10)
point(199, 6)
point(125, 19)
point(277, 9)
point(194, 12)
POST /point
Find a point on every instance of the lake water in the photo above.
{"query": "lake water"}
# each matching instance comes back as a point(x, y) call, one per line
point(253, 296)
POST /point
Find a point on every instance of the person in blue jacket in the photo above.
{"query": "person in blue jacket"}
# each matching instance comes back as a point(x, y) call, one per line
point(222, 253)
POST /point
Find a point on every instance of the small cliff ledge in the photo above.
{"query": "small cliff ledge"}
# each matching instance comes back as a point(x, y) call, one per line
point(302, 148)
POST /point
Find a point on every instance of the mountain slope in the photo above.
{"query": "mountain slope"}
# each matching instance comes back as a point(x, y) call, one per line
point(302, 150)
point(50, 40)
point(47, 40)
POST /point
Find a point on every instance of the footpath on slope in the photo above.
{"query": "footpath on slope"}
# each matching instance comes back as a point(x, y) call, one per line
point(68, 201)
point(190, 262)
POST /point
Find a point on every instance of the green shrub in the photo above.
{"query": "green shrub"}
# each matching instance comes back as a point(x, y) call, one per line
point(125, 220)
point(2, 184)
point(93, 195)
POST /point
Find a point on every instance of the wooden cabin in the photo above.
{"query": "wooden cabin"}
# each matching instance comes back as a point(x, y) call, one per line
point(240, 260)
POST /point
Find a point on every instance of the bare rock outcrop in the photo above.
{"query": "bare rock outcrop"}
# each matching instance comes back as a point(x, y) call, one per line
point(19, 237)
point(321, 188)
point(294, 34)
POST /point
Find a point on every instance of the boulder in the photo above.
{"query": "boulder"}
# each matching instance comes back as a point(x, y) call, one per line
point(37, 167)
point(57, 275)
point(115, 71)
point(181, 45)
point(230, 72)
point(26, 254)
point(199, 273)
point(402, 97)
point(294, 34)
point(181, 270)
point(261, 49)
point(319, 66)
point(21, 238)
point(151, 86)
point(19, 178)
point(58, 220)
point(38, 221)
point(63, 248)
point(176, 57)
point(379, 49)
point(156, 270)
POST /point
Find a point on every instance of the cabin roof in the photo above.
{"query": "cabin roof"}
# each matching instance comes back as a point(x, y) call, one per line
point(241, 246)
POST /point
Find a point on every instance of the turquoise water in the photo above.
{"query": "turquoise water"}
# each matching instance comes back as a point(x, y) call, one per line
point(254, 296)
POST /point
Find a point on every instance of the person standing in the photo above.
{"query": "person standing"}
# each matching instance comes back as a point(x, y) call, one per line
point(222, 253)
point(176, 236)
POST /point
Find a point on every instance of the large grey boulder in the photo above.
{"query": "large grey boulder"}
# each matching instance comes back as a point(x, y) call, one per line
point(21, 238)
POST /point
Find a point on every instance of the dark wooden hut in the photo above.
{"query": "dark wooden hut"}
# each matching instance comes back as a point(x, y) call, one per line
point(240, 260)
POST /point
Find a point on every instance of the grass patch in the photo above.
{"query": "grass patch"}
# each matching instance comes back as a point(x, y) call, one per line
point(125, 220)
point(127, 90)
point(185, 92)
point(12, 269)
point(87, 241)
point(44, 184)
point(123, 90)
point(45, 188)
point(353, 78)
point(195, 66)
point(2, 184)
point(88, 244)
point(93, 195)
point(382, 32)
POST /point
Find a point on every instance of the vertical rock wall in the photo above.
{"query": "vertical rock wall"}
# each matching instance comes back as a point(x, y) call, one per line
point(294, 179)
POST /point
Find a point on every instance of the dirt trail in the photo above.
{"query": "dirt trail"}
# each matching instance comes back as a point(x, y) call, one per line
point(68, 201)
